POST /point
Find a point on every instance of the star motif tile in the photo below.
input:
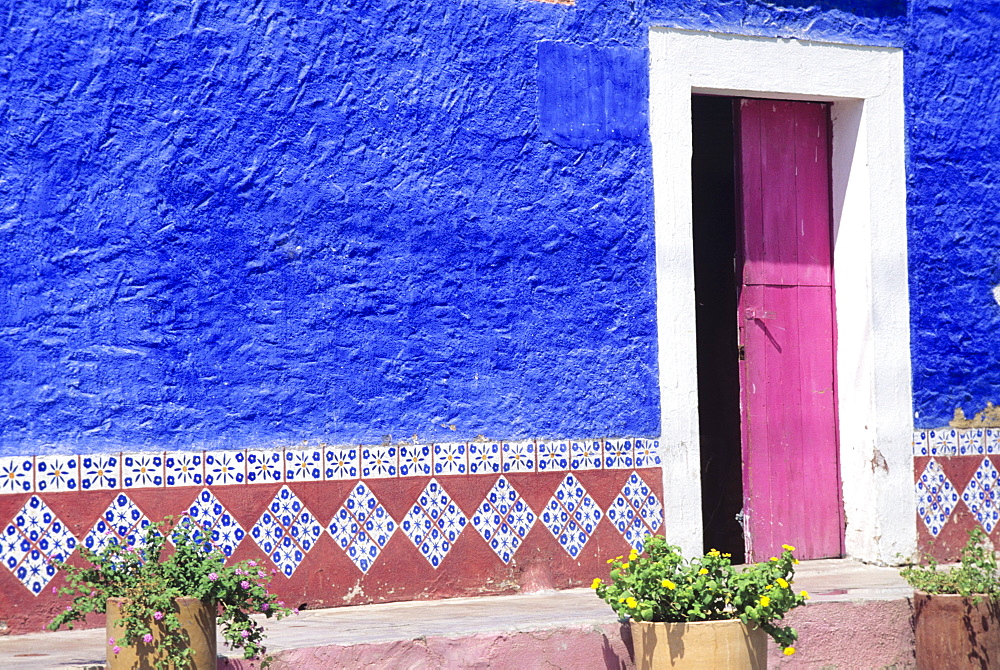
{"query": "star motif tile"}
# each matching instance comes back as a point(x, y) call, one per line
point(618, 454)
point(451, 459)
point(936, 497)
point(433, 523)
point(265, 466)
point(215, 522)
point(286, 531)
point(503, 519)
point(415, 460)
point(943, 442)
point(970, 442)
point(586, 455)
point(379, 462)
point(122, 523)
point(303, 465)
point(184, 468)
point(571, 515)
point(484, 458)
point(982, 495)
point(636, 512)
point(225, 467)
point(100, 473)
point(646, 453)
point(17, 474)
point(143, 470)
point(33, 538)
point(362, 527)
point(57, 473)
point(519, 456)
point(341, 463)
point(553, 455)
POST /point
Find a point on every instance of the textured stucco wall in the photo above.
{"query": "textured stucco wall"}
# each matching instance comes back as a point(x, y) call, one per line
point(238, 224)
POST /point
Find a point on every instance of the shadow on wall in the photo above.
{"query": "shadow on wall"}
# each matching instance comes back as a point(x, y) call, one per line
point(856, 7)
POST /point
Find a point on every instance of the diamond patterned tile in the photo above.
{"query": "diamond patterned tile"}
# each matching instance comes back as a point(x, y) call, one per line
point(943, 442)
point(57, 473)
point(17, 474)
point(920, 445)
point(415, 460)
point(265, 466)
point(211, 516)
point(991, 441)
point(303, 465)
point(503, 519)
point(100, 472)
point(646, 453)
point(433, 523)
point(341, 463)
point(553, 455)
point(636, 512)
point(362, 527)
point(451, 458)
point(34, 538)
point(518, 456)
point(970, 442)
point(936, 497)
point(143, 470)
point(122, 522)
point(571, 515)
point(184, 468)
point(586, 455)
point(618, 454)
point(982, 495)
point(225, 467)
point(485, 458)
point(286, 531)
point(379, 462)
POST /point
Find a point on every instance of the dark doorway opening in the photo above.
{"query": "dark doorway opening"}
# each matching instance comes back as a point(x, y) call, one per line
point(715, 236)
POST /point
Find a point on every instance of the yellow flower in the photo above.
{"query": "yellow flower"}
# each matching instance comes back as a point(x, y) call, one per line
point(597, 582)
point(633, 555)
point(667, 584)
point(795, 561)
point(768, 587)
point(805, 594)
point(789, 651)
point(788, 547)
point(631, 602)
point(624, 566)
point(703, 571)
point(774, 558)
point(764, 601)
point(713, 553)
point(782, 583)
point(727, 555)
point(611, 560)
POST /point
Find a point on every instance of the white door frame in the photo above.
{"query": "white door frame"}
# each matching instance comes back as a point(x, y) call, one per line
point(865, 85)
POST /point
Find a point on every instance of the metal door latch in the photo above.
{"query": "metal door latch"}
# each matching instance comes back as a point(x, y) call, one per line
point(753, 314)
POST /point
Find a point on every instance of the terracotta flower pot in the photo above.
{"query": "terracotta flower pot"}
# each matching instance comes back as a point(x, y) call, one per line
point(197, 623)
point(702, 644)
point(955, 632)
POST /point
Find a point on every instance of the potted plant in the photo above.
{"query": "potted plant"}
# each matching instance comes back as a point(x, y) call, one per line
point(956, 611)
point(162, 609)
point(702, 612)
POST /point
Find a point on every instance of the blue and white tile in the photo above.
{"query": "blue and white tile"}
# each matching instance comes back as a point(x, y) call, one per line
point(571, 515)
point(971, 442)
point(142, 470)
point(31, 541)
point(991, 441)
point(503, 519)
point(303, 465)
point(936, 497)
point(184, 468)
point(586, 455)
point(341, 463)
point(943, 442)
point(17, 474)
point(415, 460)
point(265, 466)
point(646, 453)
point(100, 472)
point(618, 454)
point(122, 523)
point(362, 527)
point(485, 458)
point(286, 531)
point(433, 523)
point(217, 524)
point(636, 512)
point(982, 495)
point(451, 458)
point(921, 444)
point(379, 462)
point(57, 473)
point(519, 456)
point(223, 468)
point(553, 455)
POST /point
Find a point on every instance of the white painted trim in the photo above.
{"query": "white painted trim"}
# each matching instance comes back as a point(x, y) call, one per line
point(865, 85)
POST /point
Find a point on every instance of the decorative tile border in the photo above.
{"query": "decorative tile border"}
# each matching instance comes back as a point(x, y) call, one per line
point(157, 469)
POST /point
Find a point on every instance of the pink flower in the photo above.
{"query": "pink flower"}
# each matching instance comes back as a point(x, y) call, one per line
point(212, 576)
point(55, 591)
point(238, 571)
point(244, 584)
point(116, 650)
point(252, 564)
point(245, 633)
point(111, 641)
point(261, 574)
point(147, 638)
point(157, 615)
point(265, 607)
point(295, 611)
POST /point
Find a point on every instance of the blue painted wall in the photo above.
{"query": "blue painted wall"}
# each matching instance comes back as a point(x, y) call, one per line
point(237, 224)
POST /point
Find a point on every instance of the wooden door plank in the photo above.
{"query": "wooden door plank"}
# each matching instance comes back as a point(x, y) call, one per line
point(812, 144)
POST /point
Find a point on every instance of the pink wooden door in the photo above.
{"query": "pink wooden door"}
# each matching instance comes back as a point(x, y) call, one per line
point(791, 473)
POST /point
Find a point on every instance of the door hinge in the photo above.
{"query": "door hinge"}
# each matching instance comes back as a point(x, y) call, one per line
point(742, 352)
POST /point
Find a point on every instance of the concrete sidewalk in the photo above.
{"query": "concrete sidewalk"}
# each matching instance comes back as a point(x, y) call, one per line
point(853, 606)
